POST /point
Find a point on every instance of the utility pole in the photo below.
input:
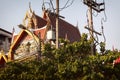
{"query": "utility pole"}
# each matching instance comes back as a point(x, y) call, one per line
point(91, 32)
point(39, 46)
point(57, 22)
point(92, 4)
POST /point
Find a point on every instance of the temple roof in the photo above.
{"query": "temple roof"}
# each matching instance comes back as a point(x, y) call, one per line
point(31, 20)
point(49, 19)
point(72, 32)
point(26, 34)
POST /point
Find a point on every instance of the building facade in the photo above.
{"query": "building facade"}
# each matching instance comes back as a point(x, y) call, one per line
point(5, 40)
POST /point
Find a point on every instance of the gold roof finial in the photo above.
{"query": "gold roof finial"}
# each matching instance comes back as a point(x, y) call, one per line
point(28, 22)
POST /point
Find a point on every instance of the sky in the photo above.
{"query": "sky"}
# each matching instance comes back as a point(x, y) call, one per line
point(12, 13)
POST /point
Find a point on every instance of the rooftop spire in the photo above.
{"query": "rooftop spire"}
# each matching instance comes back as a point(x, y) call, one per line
point(43, 5)
point(30, 7)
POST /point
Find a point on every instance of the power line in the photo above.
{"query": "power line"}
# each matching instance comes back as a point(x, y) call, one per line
point(105, 16)
point(66, 5)
point(103, 20)
point(95, 15)
point(46, 3)
point(51, 5)
point(93, 5)
point(103, 31)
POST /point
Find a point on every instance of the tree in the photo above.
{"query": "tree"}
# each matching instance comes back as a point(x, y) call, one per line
point(69, 62)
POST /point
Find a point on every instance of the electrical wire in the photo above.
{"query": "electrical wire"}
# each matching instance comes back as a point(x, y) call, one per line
point(103, 31)
point(95, 15)
point(105, 16)
point(97, 41)
point(46, 3)
point(44, 7)
point(87, 17)
point(103, 20)
point(66, 5)
point(52, 6)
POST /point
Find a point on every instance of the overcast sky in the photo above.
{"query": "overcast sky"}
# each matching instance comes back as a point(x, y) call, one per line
point(12, 13)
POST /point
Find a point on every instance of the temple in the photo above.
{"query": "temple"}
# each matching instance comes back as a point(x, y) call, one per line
point(37, 31)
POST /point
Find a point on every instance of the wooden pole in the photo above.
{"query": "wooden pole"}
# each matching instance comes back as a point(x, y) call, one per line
point(91, 32)
point(57, 23)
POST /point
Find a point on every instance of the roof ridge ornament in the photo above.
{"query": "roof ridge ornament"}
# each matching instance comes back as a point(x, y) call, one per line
point(30, 9)
point(28, 19)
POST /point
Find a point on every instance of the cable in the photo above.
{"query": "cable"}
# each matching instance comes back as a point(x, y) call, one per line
point(103, 31)
point(105, 16)
point(97, 39)
point(95, 15)
point(66, 5)
point(103, 20)
point(87, 17)
point(52, 6)
point(49, 4)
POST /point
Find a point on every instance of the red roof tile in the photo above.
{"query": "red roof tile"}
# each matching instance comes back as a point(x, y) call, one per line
point(72, 32)
point(40, 22)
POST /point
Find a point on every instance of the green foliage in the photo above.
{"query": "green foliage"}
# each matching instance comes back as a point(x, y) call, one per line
point(69, 62)
point(102, 47)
